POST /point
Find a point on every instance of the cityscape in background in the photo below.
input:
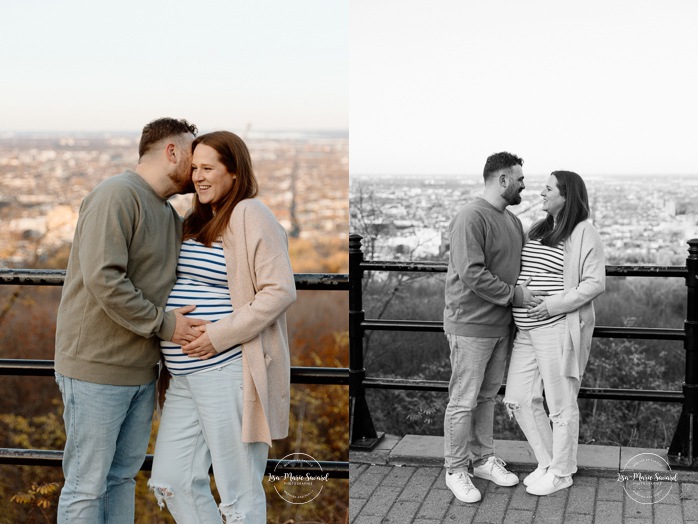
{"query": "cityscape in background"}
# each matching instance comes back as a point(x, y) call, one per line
point(642, 219)
point(44, 177)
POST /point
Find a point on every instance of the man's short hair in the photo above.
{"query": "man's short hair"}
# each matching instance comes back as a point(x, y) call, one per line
point(499, 161)
point(163, 128)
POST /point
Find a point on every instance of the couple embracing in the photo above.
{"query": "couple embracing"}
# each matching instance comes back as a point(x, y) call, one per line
point(525, 294)
point(207, 293)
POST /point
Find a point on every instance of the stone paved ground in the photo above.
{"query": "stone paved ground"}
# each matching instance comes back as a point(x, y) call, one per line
point(418, 494)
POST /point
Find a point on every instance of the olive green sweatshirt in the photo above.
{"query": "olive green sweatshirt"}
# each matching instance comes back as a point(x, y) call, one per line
point(121, 268)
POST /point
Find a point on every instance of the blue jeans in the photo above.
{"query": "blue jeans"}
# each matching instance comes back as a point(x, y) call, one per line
point(107, 431)
point(202, 425)
point(477, 371)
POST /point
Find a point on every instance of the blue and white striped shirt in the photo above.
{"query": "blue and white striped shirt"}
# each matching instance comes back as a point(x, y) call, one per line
point(544, 265)
point(201, 281)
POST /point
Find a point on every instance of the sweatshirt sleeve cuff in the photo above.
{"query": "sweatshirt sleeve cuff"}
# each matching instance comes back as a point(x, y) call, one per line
point(517, 300)
point(167, 329)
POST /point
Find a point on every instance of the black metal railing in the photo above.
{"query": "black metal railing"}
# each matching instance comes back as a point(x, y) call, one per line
point(683, 451)
point(299, 375)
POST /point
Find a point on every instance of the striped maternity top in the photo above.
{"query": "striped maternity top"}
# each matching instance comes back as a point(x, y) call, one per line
point(544, 265)
point(201, 281)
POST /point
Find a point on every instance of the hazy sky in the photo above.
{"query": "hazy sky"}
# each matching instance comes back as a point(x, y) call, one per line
point(95, 65)
point(598, 87)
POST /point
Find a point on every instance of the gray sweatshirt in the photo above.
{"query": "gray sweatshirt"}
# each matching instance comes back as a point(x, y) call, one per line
point(483, 266)
point(121, 268)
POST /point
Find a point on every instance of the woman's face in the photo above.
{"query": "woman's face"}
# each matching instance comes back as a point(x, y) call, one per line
point(210, 176)
point(553, 201)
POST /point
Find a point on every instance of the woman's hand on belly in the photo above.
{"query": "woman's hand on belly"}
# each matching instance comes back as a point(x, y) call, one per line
point(540, 312)
point(200, 348)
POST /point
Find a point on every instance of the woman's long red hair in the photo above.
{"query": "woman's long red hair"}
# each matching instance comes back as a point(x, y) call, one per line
point(201, 223)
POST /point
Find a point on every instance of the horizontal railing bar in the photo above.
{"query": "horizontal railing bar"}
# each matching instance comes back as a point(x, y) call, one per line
point(645, 395)
point(53, 458)
point(440, 267)
point(299, 375)
point(599, 331)
point(55, 277)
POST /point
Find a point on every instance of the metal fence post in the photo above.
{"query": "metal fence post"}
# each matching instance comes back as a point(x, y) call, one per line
point(362, 434)
point(683, 449)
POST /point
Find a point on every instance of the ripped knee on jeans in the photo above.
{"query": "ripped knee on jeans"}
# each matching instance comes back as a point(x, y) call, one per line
point(161, 493)
point(558, 419)
point(511, 407)
point(229, 513)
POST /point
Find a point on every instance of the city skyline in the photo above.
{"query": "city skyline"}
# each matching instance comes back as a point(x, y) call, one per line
point(597, 87)
point(85, 66)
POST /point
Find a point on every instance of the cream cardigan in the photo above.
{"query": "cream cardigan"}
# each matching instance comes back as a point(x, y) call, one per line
point(262, 287)
point(584, 277)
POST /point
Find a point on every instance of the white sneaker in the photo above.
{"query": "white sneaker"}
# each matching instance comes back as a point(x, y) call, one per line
point(549, 483)
point(536, 474)
point(494, 470)
point(462, 487)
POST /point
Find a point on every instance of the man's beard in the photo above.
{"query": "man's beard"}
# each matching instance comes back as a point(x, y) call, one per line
point(183, 182)
point(512, 196)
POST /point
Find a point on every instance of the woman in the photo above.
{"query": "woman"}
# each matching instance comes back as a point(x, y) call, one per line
point(229, 393)
point(563, 257)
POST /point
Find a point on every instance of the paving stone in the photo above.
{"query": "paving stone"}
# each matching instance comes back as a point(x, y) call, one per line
point(430, 472)
point(551, 508)
point(492, 508)
point(636, 510)
point(435, 504)
point(440, 480)
point(610, 489)
point(417, 487)
point(581, 499)
point(380, 502)
point(355, 506)
point(367, 483)
point(460, 512)
point(585, 481)
point(368, 520)
point(378, 469)
point(427, 521)
point(355, 470)
point(522, 500)
point(502, 490)
point(690, 508)
point(688, 495)
point(518, 516)
point(398, 476)
point(608, 512)
point(667, 513)
point(578, 518)
point(672, 497)
point(402, 512)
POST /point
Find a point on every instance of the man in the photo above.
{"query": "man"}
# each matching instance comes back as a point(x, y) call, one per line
point(485, 257)
point(121, 269)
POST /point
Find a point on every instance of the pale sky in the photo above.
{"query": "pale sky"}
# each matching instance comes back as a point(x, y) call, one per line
point(96, 65)
point(597, 87)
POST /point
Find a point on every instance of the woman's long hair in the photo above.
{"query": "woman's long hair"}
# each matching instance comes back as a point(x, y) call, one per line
point(201, 223)
point(574, 211)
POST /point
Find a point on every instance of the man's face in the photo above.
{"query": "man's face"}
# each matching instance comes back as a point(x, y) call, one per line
point(513, 185)
point(182, 172)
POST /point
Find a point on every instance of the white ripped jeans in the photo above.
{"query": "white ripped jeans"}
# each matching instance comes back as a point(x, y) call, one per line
point(536, 365)
point(202, 424)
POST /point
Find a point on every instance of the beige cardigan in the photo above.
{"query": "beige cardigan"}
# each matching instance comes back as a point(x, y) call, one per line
point(584, 277)
point(262, 287)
